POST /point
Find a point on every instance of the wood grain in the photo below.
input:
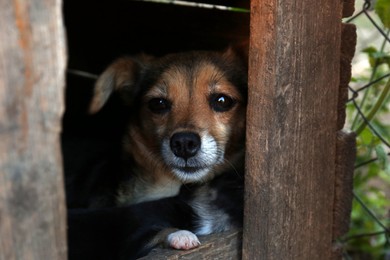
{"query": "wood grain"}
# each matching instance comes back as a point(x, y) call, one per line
point(348, 8)
point(346, 153)
point(32, 65)
point(294, 68)
point(348, 44)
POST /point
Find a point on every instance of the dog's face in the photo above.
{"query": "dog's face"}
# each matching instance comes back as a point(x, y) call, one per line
point(190, 112)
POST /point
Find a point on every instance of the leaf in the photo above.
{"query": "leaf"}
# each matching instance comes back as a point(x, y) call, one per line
point(382, 58)
point(366, 137)
point(382, 156)
point(382, 8)
point(370, 49)
point(370, 52)
point(376, 57)
point(381, 127)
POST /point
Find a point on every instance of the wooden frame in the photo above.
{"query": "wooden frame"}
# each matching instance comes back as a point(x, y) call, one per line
point(32, 69)
point(292, 125)
point(298, 181)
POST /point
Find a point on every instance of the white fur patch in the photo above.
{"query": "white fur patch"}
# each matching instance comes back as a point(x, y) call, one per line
point(211, 218)
point(183, 239)
point(209, 155)
point(205, 227)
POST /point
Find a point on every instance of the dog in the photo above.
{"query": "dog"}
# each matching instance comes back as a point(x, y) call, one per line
point(183, 147)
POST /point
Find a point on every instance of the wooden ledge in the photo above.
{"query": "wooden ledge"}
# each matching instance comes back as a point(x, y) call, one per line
point(225, 245)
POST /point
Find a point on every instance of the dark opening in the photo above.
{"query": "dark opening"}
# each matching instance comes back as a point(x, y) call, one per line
point(99, 32)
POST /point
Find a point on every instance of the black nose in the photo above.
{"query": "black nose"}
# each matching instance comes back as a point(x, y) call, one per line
point(185, 144)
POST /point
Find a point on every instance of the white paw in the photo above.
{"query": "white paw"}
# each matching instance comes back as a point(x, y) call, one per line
point(183, 239)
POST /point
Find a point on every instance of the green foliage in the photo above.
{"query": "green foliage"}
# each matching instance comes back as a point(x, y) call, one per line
point(370, 221)
point(382, 8)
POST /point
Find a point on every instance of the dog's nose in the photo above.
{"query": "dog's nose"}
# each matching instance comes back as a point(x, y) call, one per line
point(185, 144)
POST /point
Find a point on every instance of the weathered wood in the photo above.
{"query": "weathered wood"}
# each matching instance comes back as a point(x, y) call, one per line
point(222, 246)
point(345, 158)
point(348, 8)
point(348, 44)
point(294, 68)
point(345, 146)
point(32, 65)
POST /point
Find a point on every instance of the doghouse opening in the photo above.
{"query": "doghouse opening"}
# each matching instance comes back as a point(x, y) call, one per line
point(97, 33)
point(299, 162)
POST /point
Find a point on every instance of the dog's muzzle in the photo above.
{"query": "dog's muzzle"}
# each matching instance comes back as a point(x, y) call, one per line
point(191, 155)
point(185, 144)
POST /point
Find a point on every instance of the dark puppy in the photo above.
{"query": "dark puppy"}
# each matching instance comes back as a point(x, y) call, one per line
point(185, 143)
point(131, 232)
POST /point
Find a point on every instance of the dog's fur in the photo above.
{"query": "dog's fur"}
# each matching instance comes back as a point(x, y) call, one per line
point(184, 148)
point(193, 87)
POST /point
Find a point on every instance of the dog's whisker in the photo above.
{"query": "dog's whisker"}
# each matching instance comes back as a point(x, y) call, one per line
point(232, 166)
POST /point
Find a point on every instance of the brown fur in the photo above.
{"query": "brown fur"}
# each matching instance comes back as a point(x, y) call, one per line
point(188, 85)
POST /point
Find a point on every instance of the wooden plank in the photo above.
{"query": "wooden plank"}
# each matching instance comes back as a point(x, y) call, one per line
point(348, 8)
point(345, 158)
point(348, 44)
point(221, 246)
point(291, 129)
point(32, 65)
point(345, 146)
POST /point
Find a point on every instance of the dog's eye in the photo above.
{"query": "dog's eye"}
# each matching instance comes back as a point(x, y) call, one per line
point(221, 102)
point(159, 105)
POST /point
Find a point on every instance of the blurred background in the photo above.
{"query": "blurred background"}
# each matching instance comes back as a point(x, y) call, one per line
point(368, 115)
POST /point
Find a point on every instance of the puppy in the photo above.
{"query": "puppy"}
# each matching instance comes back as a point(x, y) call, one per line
point(187, 123)
point(184, 151)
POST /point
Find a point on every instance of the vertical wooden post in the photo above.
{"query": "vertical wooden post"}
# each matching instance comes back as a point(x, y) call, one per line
point(291, 129)
point(32, 66)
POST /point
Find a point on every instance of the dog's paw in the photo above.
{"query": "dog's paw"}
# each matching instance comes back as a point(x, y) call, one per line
point(183, 239)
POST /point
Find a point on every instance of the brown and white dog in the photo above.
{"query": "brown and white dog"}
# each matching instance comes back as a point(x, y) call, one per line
point(188, 119)
point(184, 147)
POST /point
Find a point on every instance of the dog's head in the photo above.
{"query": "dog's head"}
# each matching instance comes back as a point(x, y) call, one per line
point(189, 111)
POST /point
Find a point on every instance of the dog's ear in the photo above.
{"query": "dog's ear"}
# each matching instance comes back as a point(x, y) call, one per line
point(238, 51)
point(121, 75)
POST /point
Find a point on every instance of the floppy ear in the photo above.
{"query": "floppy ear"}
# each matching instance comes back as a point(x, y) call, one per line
point(121, 75)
